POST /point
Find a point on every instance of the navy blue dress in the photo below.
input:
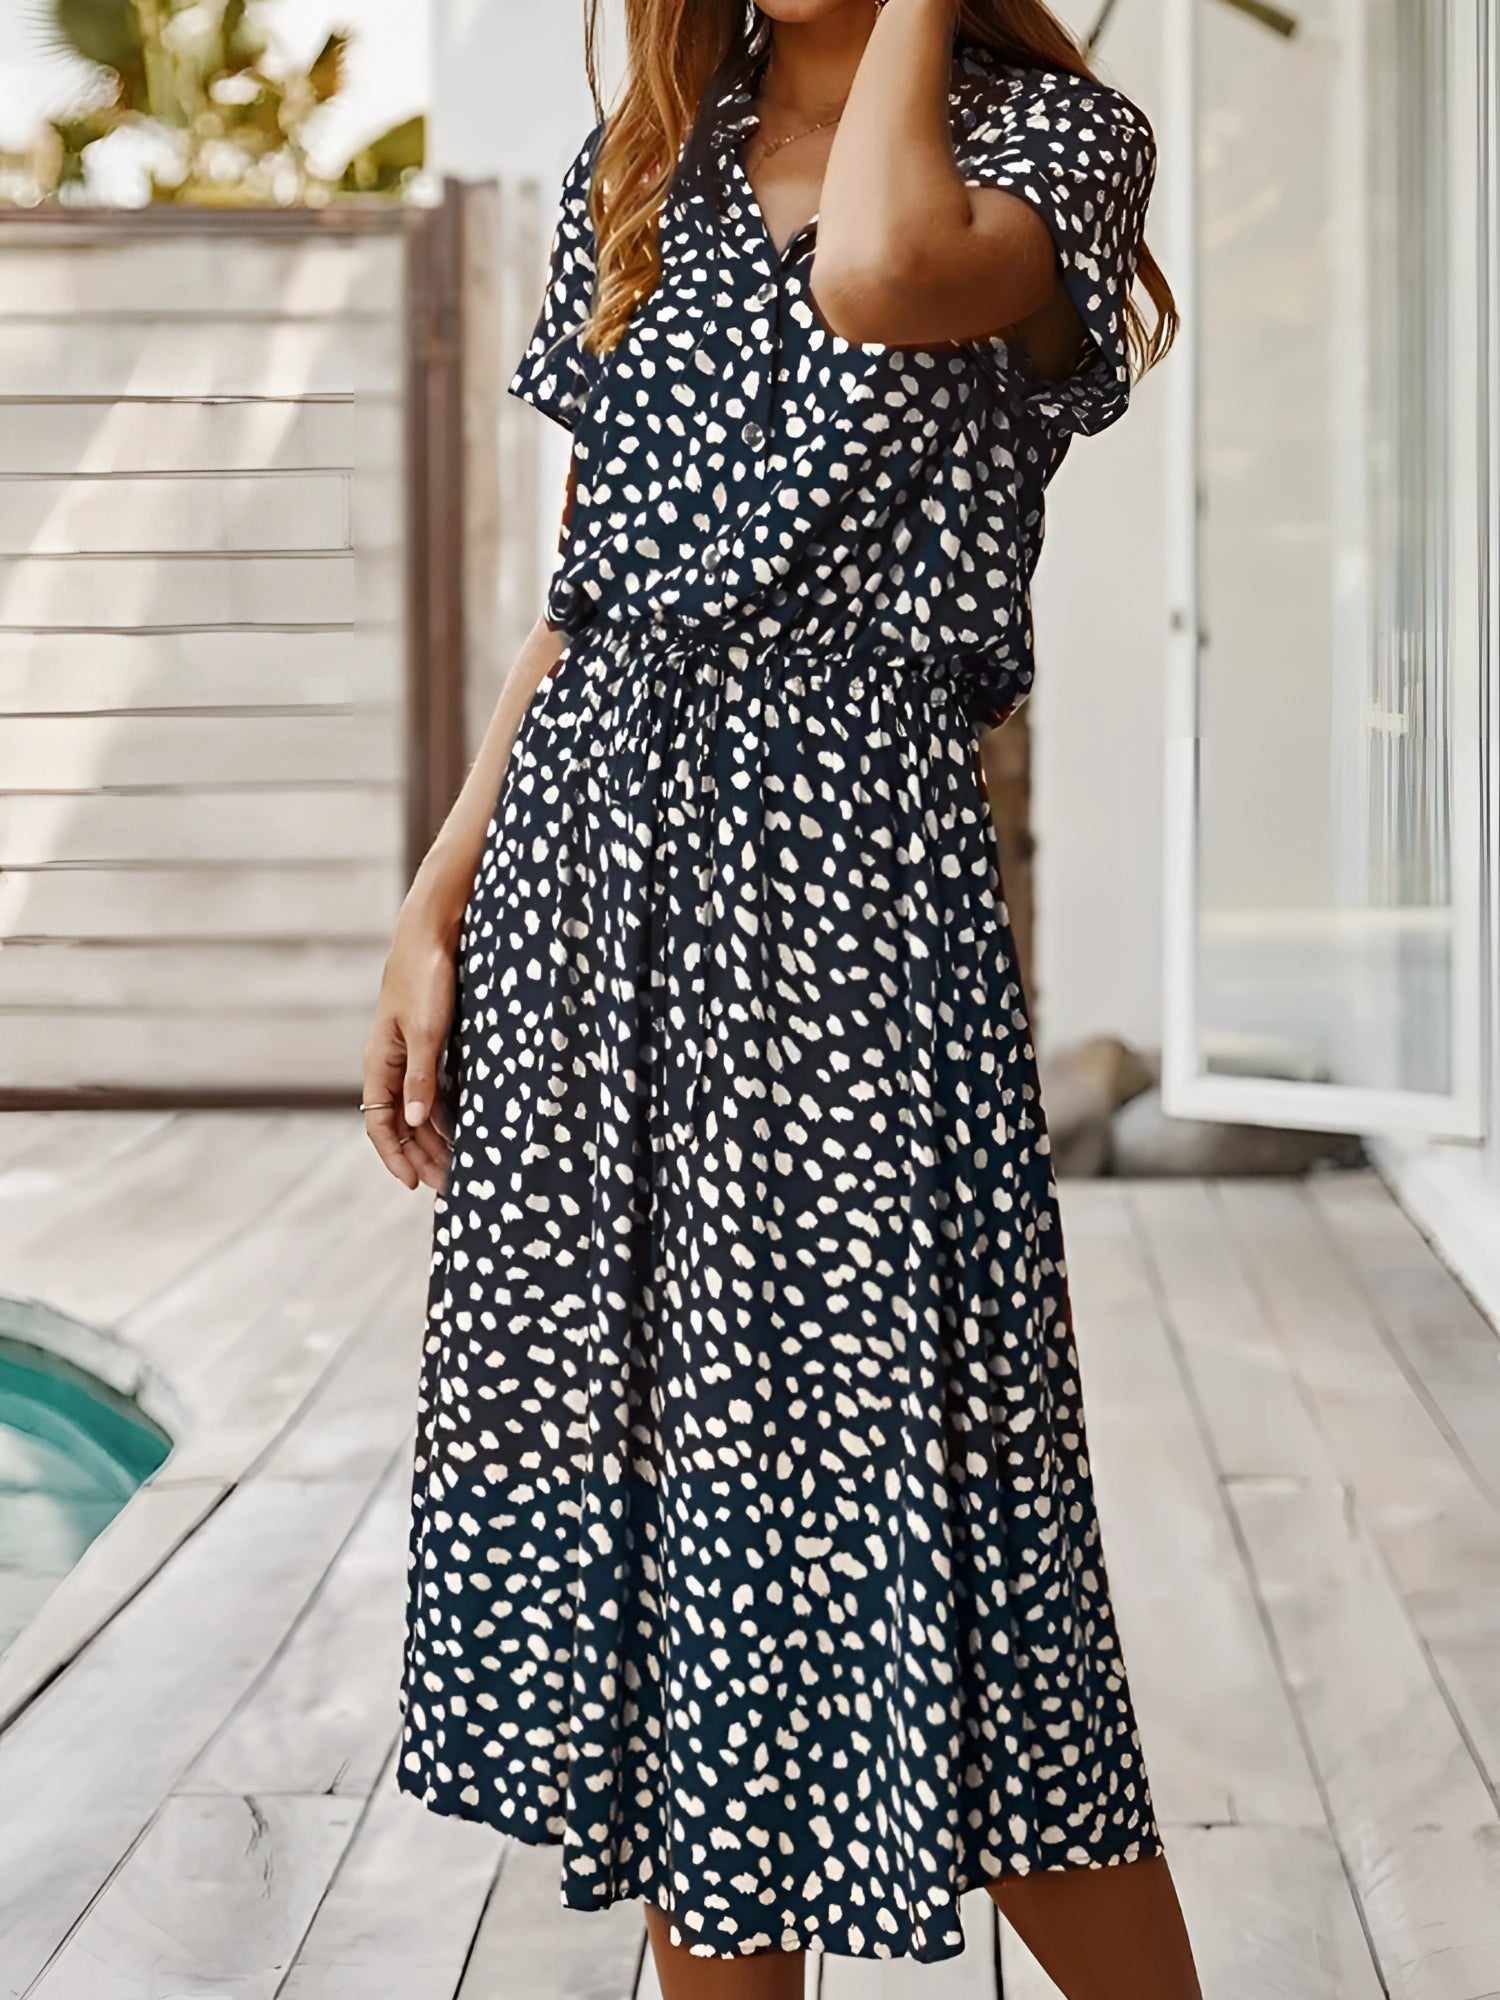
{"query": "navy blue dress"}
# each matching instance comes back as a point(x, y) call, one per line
point(754, 1550)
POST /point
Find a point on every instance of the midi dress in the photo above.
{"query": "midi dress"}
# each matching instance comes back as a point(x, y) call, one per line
point(754, 1558)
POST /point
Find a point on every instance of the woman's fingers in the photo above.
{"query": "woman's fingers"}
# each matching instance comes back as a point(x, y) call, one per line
point(428, 1153)
point(402, 1060)
point(389, 1137)
point(399, 1080)
point(385, 1126)
point(424, 1043)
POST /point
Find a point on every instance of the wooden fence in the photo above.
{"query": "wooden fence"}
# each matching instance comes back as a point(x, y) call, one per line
point(236, 581)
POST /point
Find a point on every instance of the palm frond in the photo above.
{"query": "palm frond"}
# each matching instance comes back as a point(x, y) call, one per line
point(107, 32)
point(204, 77)
point(327, 72)
point(1276, 19)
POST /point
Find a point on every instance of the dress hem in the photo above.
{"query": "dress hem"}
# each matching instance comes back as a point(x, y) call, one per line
point(1148, 1848)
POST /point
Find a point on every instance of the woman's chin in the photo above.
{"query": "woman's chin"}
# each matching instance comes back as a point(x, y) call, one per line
point(795, 12)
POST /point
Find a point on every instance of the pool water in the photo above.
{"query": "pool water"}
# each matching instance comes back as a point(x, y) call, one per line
point(72, 1451)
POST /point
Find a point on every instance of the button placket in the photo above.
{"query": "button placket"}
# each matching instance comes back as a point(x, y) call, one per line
point(766, 298)
point(774, 292)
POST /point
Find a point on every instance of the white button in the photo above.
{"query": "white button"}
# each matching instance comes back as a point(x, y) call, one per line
point(764, 296)
point(712, 558)
point(754, 436)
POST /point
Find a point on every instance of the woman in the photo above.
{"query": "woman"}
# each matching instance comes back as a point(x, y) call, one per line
point(754, 1553)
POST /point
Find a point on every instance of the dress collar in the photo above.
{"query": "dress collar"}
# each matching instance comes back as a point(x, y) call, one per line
point(734, 116)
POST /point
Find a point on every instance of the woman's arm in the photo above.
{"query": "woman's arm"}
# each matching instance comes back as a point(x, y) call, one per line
point(441, 888)
point(415, 1008)
point(908, 255)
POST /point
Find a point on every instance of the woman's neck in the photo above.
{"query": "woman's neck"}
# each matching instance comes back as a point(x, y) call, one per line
point(812, 63)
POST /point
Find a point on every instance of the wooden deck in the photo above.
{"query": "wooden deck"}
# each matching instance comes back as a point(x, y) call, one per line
point(1296, 1425)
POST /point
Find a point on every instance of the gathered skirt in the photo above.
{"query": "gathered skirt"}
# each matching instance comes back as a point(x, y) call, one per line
point(754, 1554)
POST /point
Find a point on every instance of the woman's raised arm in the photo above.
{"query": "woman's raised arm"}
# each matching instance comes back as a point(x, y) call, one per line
point(907, 254)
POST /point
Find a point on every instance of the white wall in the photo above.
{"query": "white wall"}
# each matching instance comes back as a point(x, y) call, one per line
point(511, 103)
point(1097, 713)
point(509, 94)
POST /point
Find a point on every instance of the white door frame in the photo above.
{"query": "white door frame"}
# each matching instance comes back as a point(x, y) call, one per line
point(1469, 457)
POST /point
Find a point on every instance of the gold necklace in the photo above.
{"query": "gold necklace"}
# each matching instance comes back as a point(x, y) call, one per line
point(775, 145)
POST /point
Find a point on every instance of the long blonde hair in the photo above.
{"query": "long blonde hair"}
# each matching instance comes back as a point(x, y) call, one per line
point(677, 51)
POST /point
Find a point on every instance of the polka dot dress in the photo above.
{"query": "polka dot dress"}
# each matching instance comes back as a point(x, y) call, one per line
point(754, 1554)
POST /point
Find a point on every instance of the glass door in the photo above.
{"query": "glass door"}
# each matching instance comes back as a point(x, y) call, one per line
point(1331, 468)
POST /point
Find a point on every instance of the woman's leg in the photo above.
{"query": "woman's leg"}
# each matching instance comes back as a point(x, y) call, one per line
point(1098, 1933)
point(1103, 1933)
point(765, 1975)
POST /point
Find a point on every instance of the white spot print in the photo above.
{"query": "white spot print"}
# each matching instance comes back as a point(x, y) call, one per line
point(754, 1555)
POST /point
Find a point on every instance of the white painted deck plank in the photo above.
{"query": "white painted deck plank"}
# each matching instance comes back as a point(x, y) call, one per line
point(138, 1542)
point(320, 1719)
point(214, 1899)
point(1271, 1915)
point(529, 1943)
point(206, 1181)
point(363, 1408)
point(280, 1376)
point(1438, 1528)
point(273, 1265)
point(1306, 1398)
point(22, 1134)
point(1416, 1824)
point(81, 1184)
point(1421, 1842)
point(1024, 1978)
point(1261, 1424)
point(1238, 1372)
point(43, 1152)
point(97, 1753)
point(1445, 1341)
point(1269, 1912)
point(400, 1917)
point(1220, 1740)
point(133, 1712)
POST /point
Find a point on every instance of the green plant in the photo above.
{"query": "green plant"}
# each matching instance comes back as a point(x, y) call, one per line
point(202, 77)
point(1277, 19)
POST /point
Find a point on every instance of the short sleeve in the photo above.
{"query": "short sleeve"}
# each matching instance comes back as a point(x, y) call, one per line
point(1083, 155)
point(555, 373)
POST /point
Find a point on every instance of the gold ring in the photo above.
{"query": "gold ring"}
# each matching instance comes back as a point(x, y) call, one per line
point(389, 1105)
point(407, 1141)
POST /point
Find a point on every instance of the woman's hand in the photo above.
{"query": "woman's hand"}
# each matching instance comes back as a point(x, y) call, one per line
point(415, 1009)
point(412, 1019)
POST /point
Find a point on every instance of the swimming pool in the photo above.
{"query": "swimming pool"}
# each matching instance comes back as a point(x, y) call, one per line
point(72, 1451)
